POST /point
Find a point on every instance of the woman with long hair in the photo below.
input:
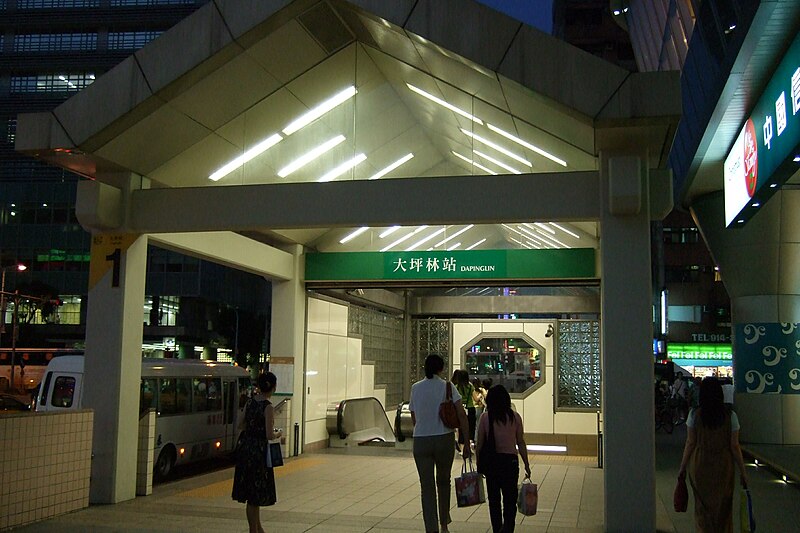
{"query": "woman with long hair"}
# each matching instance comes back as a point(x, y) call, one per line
point(501, 428)
point(433, 442)
point(711, 454)
point(253, 480)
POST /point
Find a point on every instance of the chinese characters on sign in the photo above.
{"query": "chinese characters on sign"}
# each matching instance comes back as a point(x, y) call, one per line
point(431, 264)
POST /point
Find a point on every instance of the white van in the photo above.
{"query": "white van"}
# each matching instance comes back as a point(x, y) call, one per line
point(198, 403)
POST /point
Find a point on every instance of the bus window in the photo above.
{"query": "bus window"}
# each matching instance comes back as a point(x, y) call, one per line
point(184, 391)
point(167, 397)
point(205, 394)
point(213, 386)
point(147, 395)
point(244, 391)
point(63, 391)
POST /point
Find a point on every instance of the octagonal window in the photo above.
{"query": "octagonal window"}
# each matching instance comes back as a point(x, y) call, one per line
point(513, 360)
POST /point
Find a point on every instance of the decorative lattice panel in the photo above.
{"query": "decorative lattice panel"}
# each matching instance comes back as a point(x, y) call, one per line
point(382, 344)
point(428, 336)
point(578, 363)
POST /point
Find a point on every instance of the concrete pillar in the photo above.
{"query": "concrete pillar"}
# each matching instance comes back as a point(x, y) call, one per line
point(758, 264)
point(113, 362)
point(626, 322)
point(288, 330)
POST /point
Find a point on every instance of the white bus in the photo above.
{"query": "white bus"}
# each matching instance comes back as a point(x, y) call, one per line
point(198, 404)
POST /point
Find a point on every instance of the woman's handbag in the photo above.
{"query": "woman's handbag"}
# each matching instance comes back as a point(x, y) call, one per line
point(469, 487)
point(747, 522)
point(447, 409)
point(274, 456)
point(528, 499)
point(680, 498)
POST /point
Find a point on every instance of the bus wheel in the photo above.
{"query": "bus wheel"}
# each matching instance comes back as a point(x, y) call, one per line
point(166, 460)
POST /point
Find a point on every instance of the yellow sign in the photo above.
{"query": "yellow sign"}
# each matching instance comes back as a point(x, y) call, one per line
point(106, 255)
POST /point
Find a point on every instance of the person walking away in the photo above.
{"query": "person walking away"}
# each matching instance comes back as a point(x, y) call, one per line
point(433, 443)
point(502, 478)
point(679, 393)
point(467, 392)
point(478, 396)
point(710, 455)
point(253, 481)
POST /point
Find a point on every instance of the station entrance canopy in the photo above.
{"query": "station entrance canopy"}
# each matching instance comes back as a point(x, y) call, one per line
point(290, 94)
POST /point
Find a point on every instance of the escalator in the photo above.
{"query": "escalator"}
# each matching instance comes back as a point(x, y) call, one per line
point(358, 422)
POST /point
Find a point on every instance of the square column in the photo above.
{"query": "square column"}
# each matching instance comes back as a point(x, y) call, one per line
point(287, 334)
point(627, 336)
point(113, 362)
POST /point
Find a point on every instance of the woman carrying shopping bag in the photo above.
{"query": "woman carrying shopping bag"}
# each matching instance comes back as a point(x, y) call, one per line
point(433, 442)
point(500, 438)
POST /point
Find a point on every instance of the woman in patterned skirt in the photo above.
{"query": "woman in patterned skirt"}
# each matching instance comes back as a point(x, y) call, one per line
point(253, 481)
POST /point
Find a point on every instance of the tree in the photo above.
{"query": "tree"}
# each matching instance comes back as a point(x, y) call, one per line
point(45, 299)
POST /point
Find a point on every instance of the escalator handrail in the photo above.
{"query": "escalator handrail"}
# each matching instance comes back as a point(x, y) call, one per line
point(343, 406)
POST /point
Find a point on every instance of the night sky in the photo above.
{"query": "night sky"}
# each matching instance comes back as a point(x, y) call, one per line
point(537, 13)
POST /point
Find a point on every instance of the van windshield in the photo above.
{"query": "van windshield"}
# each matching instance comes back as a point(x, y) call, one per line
point(63, 391)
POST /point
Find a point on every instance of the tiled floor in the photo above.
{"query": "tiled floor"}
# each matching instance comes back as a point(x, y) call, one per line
point(377, 490)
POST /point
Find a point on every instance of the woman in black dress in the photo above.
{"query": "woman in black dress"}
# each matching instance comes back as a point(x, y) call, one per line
point(253, 481)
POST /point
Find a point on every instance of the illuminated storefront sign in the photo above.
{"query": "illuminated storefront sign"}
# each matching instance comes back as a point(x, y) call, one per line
point(700, 354)
point(465, 265)
point(765, 154)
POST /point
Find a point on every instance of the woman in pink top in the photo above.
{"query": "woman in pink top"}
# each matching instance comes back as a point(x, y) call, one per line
point(501, 428)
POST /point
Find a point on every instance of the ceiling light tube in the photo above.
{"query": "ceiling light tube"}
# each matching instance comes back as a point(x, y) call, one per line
point(534, 237)
point(444, 104)
point(471, 162)
point(344, 167)
point(476, 244)
point(253, 152)
point(565, 230)
point(381, 173)
point(527, 145)
point(545, 227)
point(520, 243)
point(354, 234)
point(454, 235)
point(497, 147)
point(403, 239)
point(496, 162)
point(310, 156)
point(426, 239)
point(544, 236)
point(388, 231)
point(314, 113)
point(454, 246)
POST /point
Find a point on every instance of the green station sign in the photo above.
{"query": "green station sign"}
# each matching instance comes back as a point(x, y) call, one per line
point(574, 263)
point(765, 153)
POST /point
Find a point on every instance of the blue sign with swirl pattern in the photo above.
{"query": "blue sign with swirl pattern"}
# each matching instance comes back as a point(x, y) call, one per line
point(766, 358)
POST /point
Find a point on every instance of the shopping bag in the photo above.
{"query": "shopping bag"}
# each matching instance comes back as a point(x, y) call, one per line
point(274, 456)
point(680, 498)
point(469, 487)
point(528, 498)
point(747, 522)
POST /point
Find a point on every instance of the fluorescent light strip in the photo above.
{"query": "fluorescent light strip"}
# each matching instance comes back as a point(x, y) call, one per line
point(497, 147)
point(253, 152)
point(547, 238)
point(520, 243)
point(344, 167)
point(496, 162)
point(388, 231)
point(454, 235)
point(545, 448)
point(565, 230)
point(355, 234)
point(527, 145)
point(426, 239)
point(476, 244)
point(471, 162)
point(444, 104)
point(515, 230)
point(453, 247)
point(314, 113)
point(310, 156)
point(545, 227)
point(534, 237)
point(383, 172)
point(403, 239)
